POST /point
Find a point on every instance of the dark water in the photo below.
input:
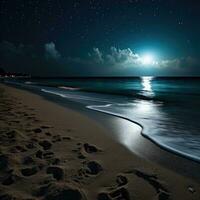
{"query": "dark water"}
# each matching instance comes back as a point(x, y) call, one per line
point(168, 109)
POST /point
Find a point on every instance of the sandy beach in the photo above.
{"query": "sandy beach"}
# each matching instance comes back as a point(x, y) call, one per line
point(50, 152)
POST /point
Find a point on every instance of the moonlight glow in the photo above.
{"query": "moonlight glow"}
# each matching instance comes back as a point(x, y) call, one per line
point(147, 59)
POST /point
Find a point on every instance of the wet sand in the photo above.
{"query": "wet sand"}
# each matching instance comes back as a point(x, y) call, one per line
point(51, 152)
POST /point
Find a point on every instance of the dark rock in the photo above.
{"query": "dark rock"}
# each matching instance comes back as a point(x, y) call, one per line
point(89, 148)
point(93, 168)
point(56, 171)
point(29, 171)
point(45, 144)
point(121, 180)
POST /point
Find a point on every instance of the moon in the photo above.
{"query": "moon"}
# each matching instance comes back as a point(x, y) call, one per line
point(147, 59)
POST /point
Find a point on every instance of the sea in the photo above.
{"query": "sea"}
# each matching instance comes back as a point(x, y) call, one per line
point(167, 108)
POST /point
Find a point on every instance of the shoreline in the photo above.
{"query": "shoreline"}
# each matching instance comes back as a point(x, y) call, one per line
point(161, 156)
point(165, 148)
point(158, 153)
point(136, 169)
point(143, 134)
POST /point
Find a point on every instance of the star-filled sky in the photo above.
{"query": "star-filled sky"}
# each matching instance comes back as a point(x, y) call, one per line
point(100, 37)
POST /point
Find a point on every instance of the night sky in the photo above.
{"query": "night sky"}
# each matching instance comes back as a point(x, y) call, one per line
point(100, 37)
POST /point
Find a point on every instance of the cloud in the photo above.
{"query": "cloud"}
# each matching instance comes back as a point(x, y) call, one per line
point(185, 66)
point(179, 62)
point(31, 60)
point(99, 63)
point(130, 63)
point(48, 61)
point(115, 57)
point(96, 55)
point(124, 57)
point(51, 52)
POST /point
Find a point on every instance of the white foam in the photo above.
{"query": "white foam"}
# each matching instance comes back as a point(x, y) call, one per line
point(146, 114)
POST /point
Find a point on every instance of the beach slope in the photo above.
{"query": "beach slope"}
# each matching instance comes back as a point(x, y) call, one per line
point(50, 152)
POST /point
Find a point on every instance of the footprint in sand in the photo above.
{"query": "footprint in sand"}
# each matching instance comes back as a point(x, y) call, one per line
point(15, 121)
point(162, 192)
point(29, 171)
point(28, 160)
point(4, 162)
point(48, 134)
point(81, 156)
point(55, 161)
point(30, 145)
point(56, 138)
point(66, 138)
point(11, 134)
point(91, 168)
point(121, 180)
point(9, 178)
point(44, 154)
point(56, 171)
point(153, 180)
point(117, 192)
point(4, 196)
point(88, 148)
point(84, 149)
point(18, 149)
point(45, 144)
point(37, 130)
point(8, 181)
point(55, 191)
point(45, 127)
point(39, 154)
point(48, 155)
